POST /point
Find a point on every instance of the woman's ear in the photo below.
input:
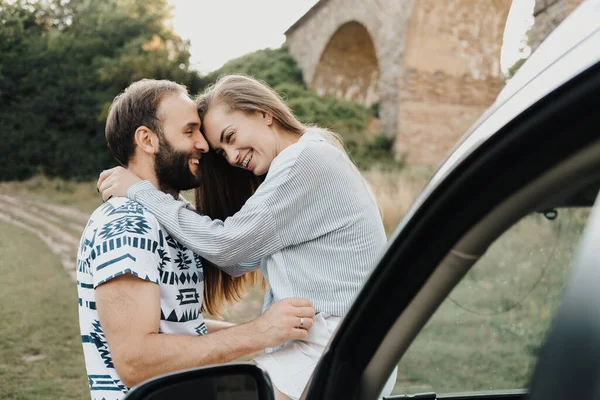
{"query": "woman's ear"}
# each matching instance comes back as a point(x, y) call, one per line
point(146, 140)
point(268, 118)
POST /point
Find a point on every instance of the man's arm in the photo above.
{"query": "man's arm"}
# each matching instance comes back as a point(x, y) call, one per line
point(129, 312)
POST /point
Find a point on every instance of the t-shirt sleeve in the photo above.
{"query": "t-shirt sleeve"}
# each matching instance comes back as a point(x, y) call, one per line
point(124, 240)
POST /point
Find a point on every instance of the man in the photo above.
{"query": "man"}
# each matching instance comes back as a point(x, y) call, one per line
point(140, 291)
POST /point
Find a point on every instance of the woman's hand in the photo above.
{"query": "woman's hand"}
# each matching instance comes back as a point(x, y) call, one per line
point(114, 182)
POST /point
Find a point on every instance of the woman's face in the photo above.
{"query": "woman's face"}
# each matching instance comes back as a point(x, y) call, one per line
point(246, 140)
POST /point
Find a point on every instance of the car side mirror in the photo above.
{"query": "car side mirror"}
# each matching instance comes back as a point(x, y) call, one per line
point(220, 382)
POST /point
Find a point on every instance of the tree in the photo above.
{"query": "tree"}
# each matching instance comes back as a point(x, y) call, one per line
point(61, 64)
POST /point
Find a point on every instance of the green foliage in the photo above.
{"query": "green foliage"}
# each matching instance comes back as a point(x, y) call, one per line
point(62, 63)
point(373, 151)
point(341, 116)
point(375, 110)
point(272, 66)
point(40, 348)
point(514, 68)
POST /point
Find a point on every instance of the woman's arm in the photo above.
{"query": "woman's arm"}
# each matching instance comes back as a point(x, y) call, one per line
point(250, 234)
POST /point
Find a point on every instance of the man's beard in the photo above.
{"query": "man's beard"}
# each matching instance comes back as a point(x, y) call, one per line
point(172, 169)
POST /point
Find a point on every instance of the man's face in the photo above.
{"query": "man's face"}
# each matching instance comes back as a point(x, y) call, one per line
point(181, 144)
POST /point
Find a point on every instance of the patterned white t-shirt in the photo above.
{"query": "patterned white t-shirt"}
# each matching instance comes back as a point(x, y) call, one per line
point(122, 237)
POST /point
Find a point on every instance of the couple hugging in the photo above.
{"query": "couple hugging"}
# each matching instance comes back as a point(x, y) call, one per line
point(272, 196)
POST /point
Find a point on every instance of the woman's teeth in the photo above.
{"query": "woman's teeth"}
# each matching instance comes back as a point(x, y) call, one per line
point(247, 159)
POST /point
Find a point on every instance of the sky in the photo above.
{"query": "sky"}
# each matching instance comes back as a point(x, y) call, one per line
point(220, 30)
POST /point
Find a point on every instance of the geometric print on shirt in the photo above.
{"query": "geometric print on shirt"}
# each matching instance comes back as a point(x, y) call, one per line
point(121, 237)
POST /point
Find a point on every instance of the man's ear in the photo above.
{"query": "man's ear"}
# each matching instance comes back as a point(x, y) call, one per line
point(146, 140)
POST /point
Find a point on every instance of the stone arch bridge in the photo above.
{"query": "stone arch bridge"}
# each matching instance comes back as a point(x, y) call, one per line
point(432, 66)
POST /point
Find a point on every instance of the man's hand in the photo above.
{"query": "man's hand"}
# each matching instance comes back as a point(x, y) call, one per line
point(114, 182)
point(288, 319)
point(129, 313)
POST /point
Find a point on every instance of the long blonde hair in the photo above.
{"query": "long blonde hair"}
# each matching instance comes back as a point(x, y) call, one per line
point(246, 94)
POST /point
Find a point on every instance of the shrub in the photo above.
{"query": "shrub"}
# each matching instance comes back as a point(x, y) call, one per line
point(272, 66)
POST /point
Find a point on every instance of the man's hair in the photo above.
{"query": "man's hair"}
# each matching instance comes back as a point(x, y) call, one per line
point(136, 106)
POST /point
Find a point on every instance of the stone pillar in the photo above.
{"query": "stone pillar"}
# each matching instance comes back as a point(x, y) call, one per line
point(450, 74)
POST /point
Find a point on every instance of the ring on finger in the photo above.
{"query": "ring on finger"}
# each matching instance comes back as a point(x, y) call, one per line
point(301, 322)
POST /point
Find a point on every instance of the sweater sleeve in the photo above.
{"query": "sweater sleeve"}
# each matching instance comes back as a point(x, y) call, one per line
point(248, 235)
point(240, 268)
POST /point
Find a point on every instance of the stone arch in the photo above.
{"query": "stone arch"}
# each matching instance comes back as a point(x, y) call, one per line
point(348, 66)
point(385, 22)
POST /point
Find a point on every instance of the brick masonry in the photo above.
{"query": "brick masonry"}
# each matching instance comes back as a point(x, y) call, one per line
point(433, 66)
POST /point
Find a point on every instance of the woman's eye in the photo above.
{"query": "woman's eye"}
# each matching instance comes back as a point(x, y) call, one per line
point(229, 137)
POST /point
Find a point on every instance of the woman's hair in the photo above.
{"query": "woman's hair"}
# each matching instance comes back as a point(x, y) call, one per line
point(246, 94)
point(223, 191)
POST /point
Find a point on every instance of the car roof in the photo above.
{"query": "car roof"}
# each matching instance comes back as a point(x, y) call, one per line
point(572, 48)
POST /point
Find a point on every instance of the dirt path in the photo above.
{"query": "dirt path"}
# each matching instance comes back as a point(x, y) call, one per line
point(59, 227)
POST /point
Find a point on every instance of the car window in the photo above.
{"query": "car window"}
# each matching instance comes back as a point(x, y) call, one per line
point(486, 335)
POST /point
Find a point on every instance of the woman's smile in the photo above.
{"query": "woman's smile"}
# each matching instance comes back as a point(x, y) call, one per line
point(247, 159)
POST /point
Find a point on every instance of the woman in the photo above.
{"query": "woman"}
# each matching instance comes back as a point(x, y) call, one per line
point(313, 222)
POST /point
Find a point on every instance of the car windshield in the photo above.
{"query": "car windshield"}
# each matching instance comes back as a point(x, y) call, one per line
point(488, 332)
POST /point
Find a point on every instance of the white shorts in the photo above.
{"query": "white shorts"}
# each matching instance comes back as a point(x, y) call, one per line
point(291, 366)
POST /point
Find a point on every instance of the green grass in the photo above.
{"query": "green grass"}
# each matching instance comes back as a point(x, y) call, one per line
point(39, 318)
point(488, 335)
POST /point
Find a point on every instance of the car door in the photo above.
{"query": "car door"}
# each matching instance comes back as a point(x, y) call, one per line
point(535, 155)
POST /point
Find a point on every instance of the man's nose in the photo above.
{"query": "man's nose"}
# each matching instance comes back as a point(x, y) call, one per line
point(201, 144)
